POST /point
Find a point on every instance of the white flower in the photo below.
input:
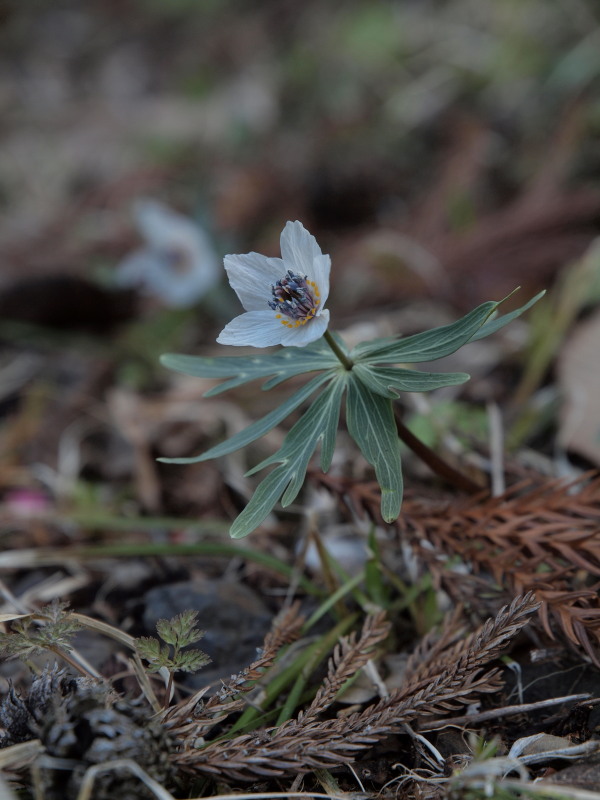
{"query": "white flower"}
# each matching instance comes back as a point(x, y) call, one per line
point(284, 297)
point(178, 265)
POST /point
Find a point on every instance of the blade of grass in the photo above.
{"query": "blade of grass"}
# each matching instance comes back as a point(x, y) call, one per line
point(331, 601)
point(318, 652)
point(248, 720)
point(58, 555)
point(376, 588)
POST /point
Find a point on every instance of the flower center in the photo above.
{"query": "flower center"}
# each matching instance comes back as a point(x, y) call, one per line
point(177, 259)
point(295, 298)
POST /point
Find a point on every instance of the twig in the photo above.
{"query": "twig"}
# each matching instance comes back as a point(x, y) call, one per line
point(507, 711)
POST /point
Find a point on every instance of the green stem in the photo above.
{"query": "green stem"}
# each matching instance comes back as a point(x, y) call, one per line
point(347, 362)
point(425, 453)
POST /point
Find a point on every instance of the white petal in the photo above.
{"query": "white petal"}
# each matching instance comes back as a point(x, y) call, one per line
point(253, 329)
point(132, 269)
point(151, 272)
point(251, 277)
point(305, 334)
point(170, 237)
point(179, 291)
point(162, 228)
point(321, 270)
point(299, 249)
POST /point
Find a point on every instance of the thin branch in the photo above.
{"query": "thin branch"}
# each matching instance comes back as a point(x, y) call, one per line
point(497, 713)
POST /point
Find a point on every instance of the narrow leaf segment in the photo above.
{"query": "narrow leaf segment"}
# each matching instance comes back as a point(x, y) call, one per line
point(426, 346)
point(390, 381)
point(318, 424)
point(285, 364)
point(371, 424)
point(258, 428)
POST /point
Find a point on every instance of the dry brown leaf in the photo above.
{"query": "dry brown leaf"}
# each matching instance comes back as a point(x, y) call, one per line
point(579, 380)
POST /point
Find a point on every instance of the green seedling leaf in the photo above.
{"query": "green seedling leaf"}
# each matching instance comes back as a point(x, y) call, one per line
point(53, 627)
point(153, 652)
point(258, 428)
point(493, 325)
point(164, 630)
point(371, 424)
point(318, 423)
point(282, 365)
point(180, 630)
point(389, 381)
point(192, 660)
point(426, 346)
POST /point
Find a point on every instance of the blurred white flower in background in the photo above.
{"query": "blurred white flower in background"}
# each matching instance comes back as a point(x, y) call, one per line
point(177, 265)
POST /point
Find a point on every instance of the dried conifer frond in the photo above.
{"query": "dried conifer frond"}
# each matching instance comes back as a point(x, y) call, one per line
point(461, 663)
point(307, 743)
point(531, 538)
point(432, 645)
point(195, 718)
point(349, 656)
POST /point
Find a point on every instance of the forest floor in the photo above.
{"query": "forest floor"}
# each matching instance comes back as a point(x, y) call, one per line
point(443, 154)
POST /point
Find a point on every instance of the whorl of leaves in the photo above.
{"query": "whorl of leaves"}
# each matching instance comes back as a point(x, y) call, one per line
point(307, 743)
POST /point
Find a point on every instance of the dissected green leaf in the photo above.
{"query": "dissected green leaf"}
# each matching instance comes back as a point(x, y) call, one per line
point(330, 428)
point(258, 428)
point(318, 423)
point(438, 342)
point(149, 648)
point(371, 424)
point(192, 660)
point(426, 346)
point(493, 325)
point(388, 381)
point(53, 627)
point(165, 631)
point(180, 630)
point(284, 364)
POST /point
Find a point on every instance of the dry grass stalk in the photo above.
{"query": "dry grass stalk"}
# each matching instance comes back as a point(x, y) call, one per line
point(456, 676)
